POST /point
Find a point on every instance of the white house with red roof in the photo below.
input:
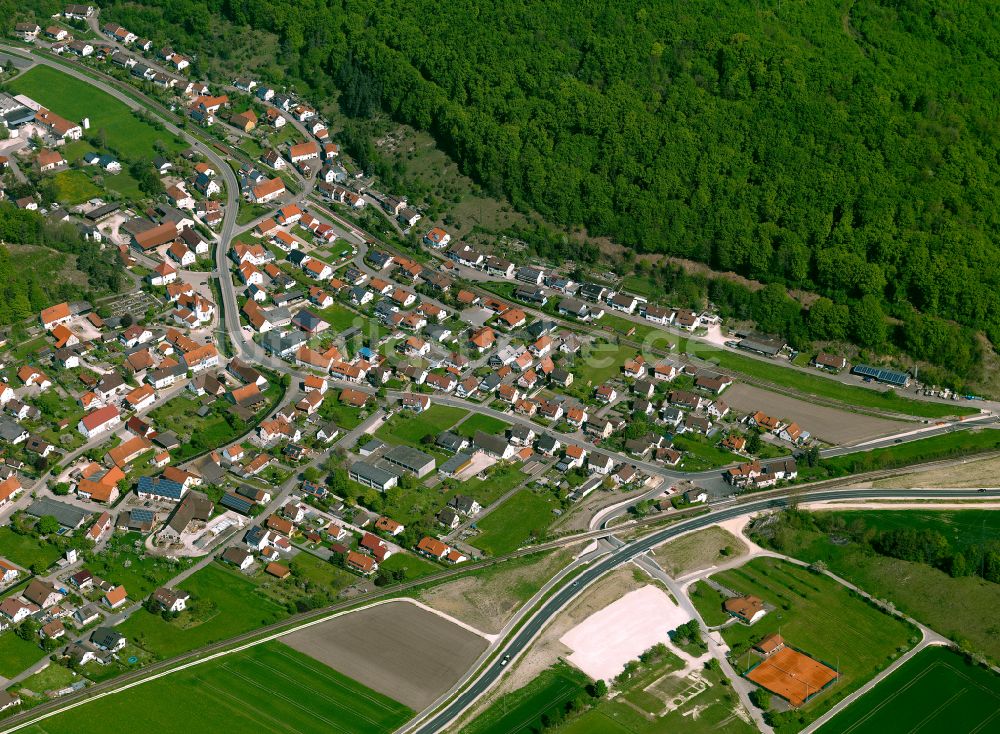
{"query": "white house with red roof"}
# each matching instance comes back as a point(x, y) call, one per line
point(99, 421)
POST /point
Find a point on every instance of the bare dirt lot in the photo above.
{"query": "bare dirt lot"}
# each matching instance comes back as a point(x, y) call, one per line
point(604, 642)
point(826, 424)
point(488, 600)
point(698, 551)
point(408, 653)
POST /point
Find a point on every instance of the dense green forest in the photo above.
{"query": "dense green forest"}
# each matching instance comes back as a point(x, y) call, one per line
point(30, 282)
point(844, 148)
point(926, 545)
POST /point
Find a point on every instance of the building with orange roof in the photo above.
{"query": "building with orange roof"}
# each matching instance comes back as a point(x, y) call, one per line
point(361, 563)
point(125, 453)
point(432, 547)
point(303, 151)
point(55, 315)
point(116, 597)
point(141, 398)
point(483, 338)
point(267, 191)
point(9, 489)
point(64, 337)
point(201, 358)
point(33, 376)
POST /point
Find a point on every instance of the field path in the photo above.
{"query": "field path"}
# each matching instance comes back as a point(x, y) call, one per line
point(717, 648)
point(928, 636)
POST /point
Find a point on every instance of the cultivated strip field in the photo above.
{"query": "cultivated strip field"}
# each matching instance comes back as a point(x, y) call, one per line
point(936, 691)
point(268, 688)
point(398, 648)
point(826, 424)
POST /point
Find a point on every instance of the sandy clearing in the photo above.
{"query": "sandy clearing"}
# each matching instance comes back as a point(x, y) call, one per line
point(827, 424)
point(698, 551)
point(400, 649)
point(479, 462)
point(875, 505)
point(620, 632)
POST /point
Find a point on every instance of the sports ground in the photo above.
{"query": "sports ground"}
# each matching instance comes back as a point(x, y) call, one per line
point(267, 688)
point(792, 675)
point(936, 691)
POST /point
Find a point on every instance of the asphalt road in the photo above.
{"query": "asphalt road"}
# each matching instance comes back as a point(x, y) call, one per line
point(526, 635)
point(247, 349)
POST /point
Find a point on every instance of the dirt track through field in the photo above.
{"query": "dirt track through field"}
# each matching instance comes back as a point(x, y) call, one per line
point(399, 649)
point(826, 424)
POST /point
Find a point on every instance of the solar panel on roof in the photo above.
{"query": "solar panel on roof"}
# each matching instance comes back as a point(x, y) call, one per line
point(140, 515)
point(892, 377)
point(237, 503)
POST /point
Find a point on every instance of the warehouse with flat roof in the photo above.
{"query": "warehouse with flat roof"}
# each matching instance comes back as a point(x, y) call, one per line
point(410, 459)
point(372, 476)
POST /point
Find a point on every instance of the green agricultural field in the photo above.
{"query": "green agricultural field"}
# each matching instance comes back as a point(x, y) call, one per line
point(25, 349)
point(27, 550)
point(345, 416)
point(74, 187)
point(224, 604)
point(17, 654)
point(259, 689)
point(75, 150)
point(250, 212)
point(642, 286)
point(56, 407)
point(638, 331)
point(407, 427)
point(480, 422)
point(125, 184)
point(815, 614)
point(51, 678)
point(499, 480)
point(522, 710)
point(75, 99)
point(511, 524)
point(936, 691)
